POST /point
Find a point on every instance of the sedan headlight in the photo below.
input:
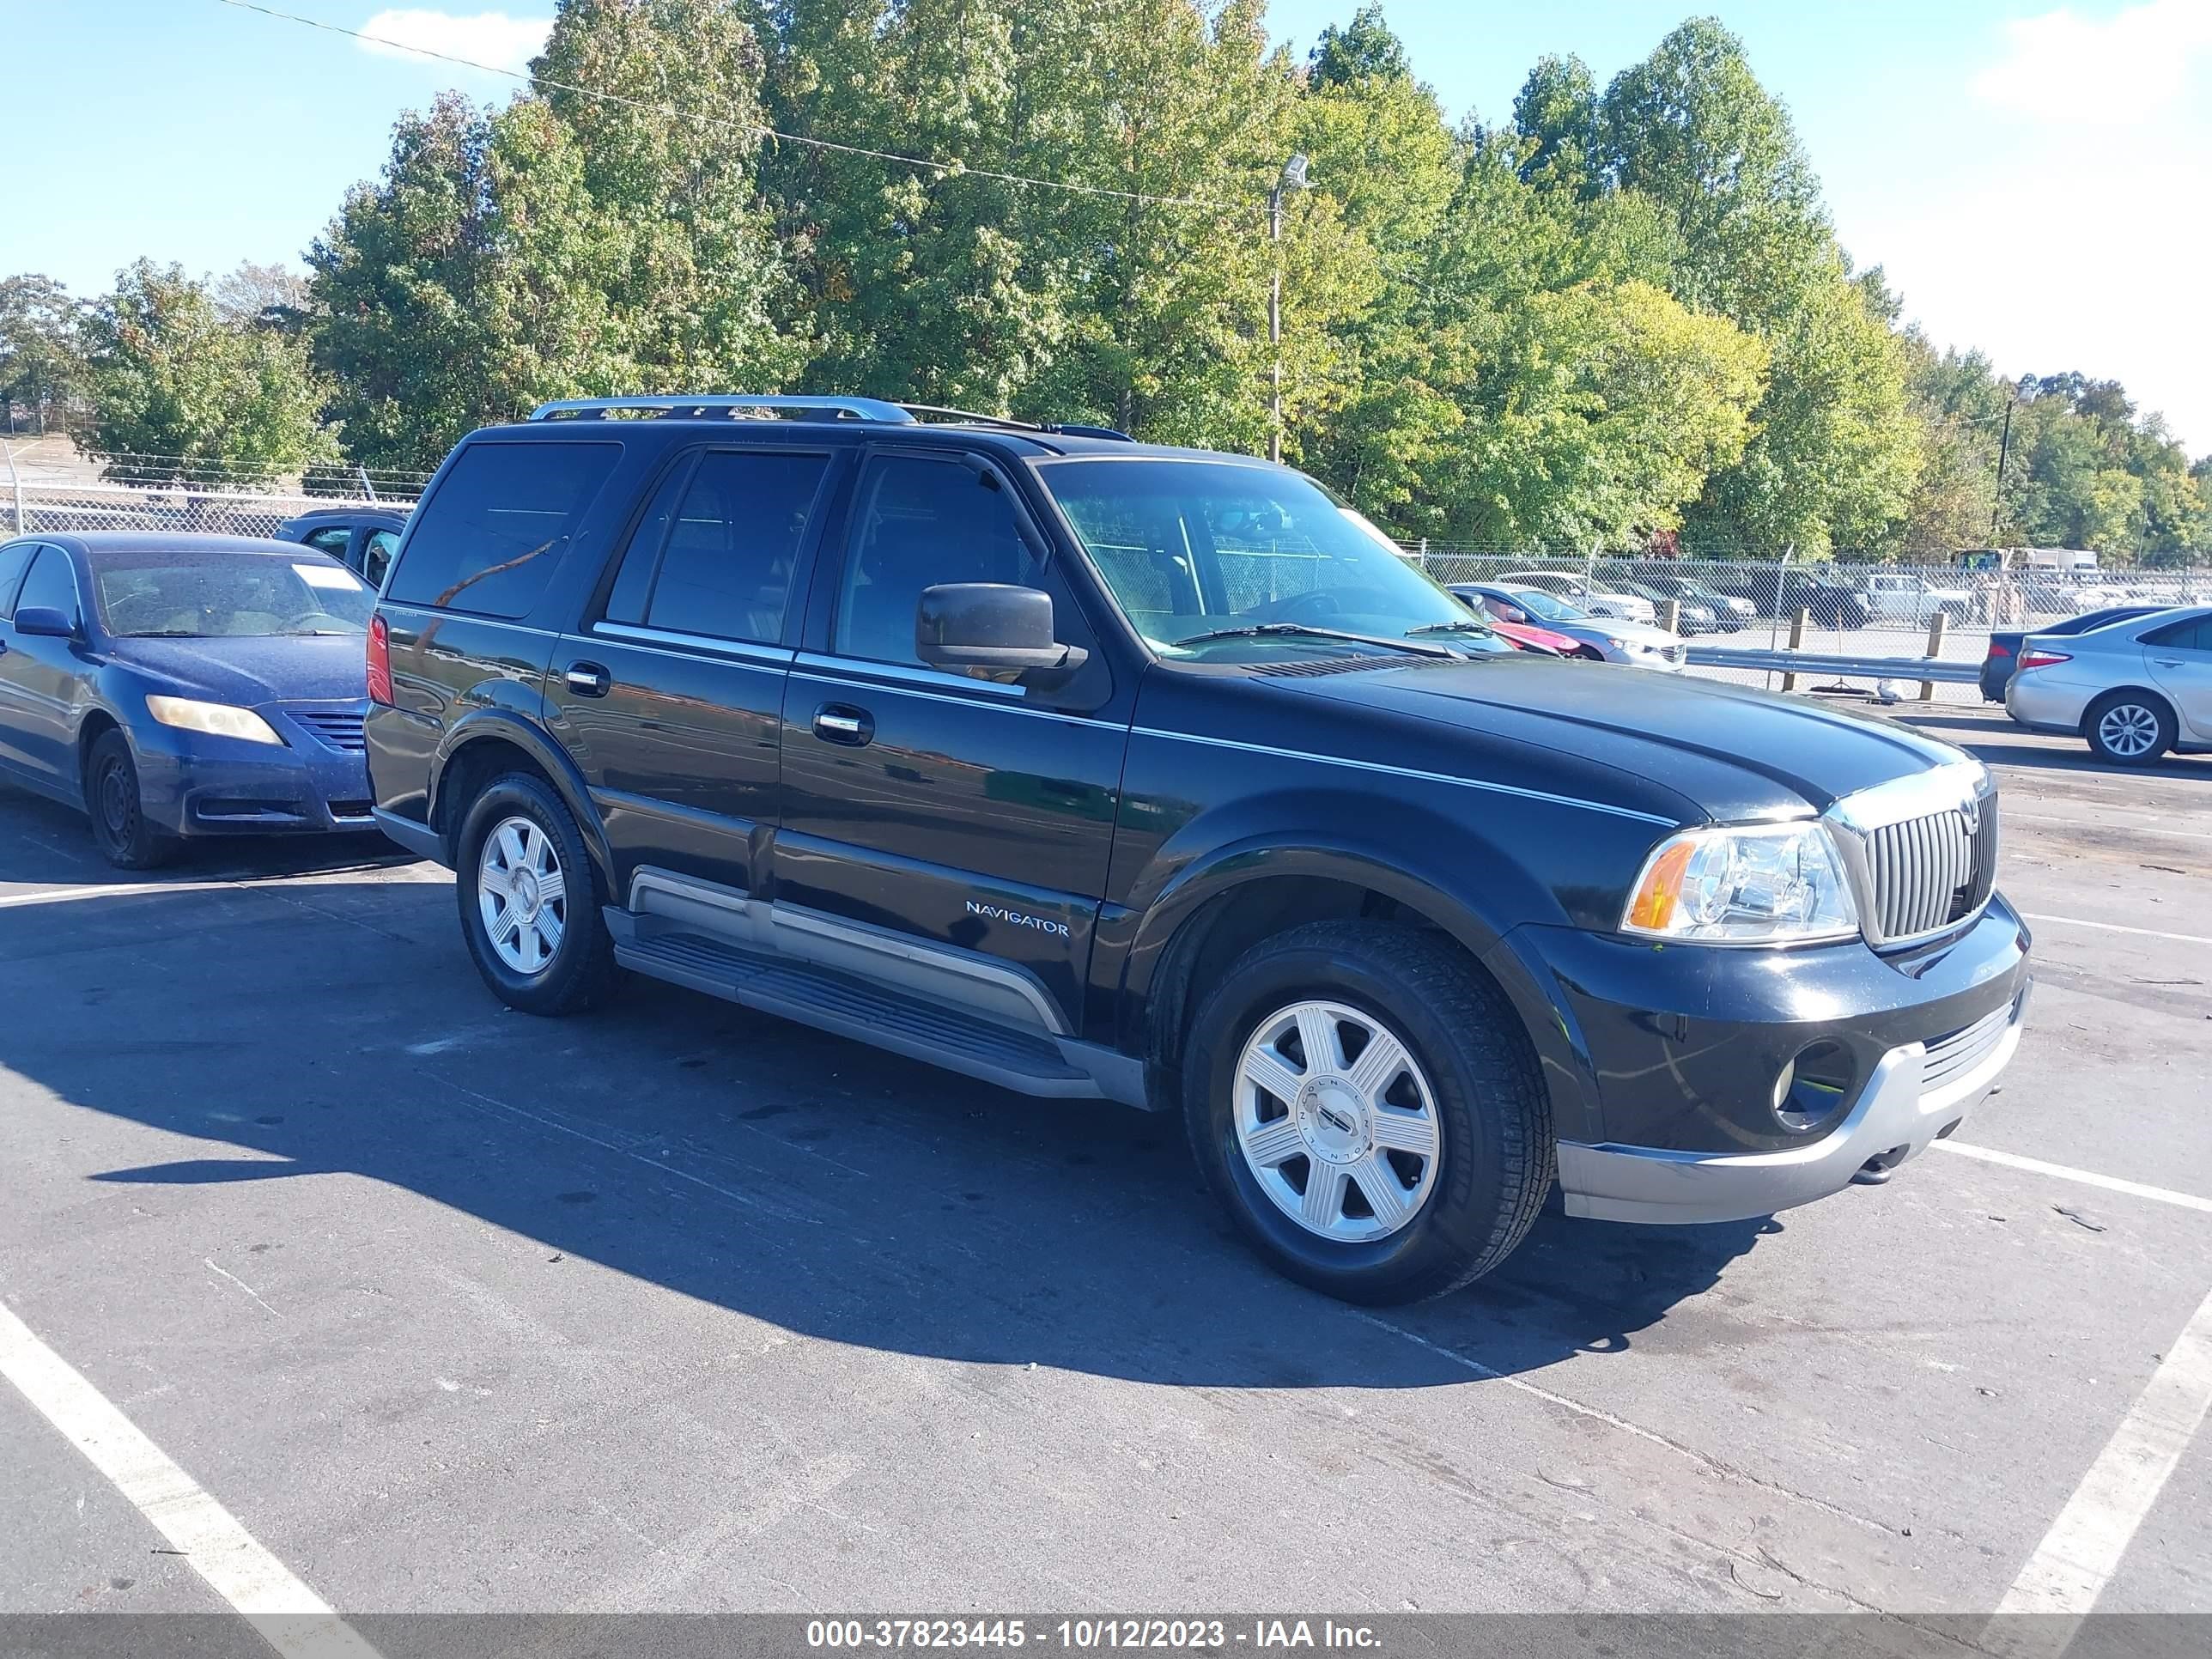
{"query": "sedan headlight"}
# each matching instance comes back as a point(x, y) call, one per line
point(219, 720)
point(1767, 883)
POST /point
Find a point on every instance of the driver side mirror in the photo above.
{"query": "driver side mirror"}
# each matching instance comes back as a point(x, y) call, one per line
point(1511, 613)
point(45, 622)
point(990, 628)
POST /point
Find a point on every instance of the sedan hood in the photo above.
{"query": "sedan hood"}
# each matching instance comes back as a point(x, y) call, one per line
point(1736, 752)
point(254, 670)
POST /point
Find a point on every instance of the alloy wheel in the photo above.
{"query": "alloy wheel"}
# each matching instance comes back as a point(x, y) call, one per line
point(2128, 730)
point(522, 895)
point(1336, 1122)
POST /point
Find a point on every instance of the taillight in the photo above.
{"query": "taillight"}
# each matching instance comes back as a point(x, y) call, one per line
point(2038, 658)
point(379, 661)
point(1999, 649)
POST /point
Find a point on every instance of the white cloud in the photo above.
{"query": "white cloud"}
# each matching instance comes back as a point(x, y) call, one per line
point(2120, 69)
point(490, 38)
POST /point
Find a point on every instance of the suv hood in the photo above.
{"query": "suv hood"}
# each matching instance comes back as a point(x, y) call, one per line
point(1735, 752)
point(255, 669)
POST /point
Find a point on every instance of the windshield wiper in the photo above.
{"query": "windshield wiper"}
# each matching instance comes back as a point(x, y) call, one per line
point(1287, 629)
point(1468, 626)
point(165, 634)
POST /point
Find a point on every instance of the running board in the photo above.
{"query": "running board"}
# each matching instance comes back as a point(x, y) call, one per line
point(831, 1001)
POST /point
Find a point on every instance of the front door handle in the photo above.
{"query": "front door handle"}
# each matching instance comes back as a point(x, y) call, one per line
point(588, 680)
point(840, 722)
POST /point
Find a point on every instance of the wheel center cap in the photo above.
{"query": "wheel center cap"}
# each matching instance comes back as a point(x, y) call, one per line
point(1333, 1119)
point(525, 892)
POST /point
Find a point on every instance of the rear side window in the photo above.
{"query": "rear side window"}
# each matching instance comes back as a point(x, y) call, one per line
point(2195, 635)
point(489, 539)
point(728, 547)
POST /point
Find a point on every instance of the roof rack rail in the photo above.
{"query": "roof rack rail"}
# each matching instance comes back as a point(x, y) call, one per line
point(1006, 422)
point(678, 406)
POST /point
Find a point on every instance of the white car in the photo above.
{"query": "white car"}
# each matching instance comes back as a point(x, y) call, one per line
point(1900, 598)
point(1616, 640)
point(1597, 601)
point(2132, 689)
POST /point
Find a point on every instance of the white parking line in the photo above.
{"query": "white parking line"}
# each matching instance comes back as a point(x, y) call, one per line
point(2086, 1177)
point(2082, 1550)
point(2115, 927)
point(287, 1615)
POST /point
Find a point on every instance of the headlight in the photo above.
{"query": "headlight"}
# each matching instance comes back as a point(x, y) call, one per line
point(1753, 884)
point(219, 720)
point(1616, 645)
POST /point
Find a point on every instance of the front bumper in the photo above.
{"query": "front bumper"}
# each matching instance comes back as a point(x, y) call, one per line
point(1916, 1095)
point(193, 785)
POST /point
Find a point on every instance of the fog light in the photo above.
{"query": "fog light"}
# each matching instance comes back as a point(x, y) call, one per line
point(1814, 1087)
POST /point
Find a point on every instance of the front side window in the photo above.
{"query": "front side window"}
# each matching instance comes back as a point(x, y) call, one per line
point(376, 555)
point(50, 583)
point(488, 540)
point(1191, 547)
point(921, 521)
point(231, 598)
point(14, 560)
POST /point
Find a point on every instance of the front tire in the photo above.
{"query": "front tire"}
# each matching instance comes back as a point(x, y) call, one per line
point(530, 899)
point(1369, 1109)
point(119, 828)
point(2129, 728)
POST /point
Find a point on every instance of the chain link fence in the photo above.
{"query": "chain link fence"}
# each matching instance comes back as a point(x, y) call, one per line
point(1902, 611)
point(194, 508)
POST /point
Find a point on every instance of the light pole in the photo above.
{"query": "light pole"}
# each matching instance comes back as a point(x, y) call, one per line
point(1294, 178)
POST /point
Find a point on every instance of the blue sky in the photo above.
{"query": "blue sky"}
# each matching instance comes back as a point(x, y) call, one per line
point(2034, 179)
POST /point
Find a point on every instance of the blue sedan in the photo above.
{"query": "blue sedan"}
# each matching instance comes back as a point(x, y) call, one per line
point(173, 685)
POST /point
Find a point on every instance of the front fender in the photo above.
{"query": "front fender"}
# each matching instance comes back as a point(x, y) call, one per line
point(503, 724)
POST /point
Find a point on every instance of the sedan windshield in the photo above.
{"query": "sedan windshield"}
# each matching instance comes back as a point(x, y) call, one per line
point(250, 596)
point(1218, 561)
point(1545, 607)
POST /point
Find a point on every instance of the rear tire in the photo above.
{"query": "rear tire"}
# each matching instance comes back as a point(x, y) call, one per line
point(2129, 728)
point(1458, 1137)
point(530, 899)
point(111, 796)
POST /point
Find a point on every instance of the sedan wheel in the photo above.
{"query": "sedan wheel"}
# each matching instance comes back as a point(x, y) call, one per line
point(1336, 1121)
point(2128, 729)
point(522, 895)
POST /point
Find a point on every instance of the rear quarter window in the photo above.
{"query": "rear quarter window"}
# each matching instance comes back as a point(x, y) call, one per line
point(491, 536)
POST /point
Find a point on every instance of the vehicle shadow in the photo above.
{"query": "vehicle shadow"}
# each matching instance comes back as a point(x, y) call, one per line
point(1998, 742)
point(51, 842)
point(814, 1183)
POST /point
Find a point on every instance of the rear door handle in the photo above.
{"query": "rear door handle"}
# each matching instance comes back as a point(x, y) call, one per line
point(587, 679)
point(2167, 662)
point(840, 722)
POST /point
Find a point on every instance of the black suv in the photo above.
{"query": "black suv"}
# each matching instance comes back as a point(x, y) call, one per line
point(1092, 768)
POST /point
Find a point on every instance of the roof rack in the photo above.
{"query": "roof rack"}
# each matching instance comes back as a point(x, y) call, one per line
point(680, 406)
point(687, 406)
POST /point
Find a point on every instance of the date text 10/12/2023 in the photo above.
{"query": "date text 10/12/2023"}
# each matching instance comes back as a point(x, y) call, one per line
point(1086, 1635)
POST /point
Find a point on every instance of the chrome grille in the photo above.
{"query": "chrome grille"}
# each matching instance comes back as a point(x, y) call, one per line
point(1929, 872)
point(1955, 1055)
point(341, 728)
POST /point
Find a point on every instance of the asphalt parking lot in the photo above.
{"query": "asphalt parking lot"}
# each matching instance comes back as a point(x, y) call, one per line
point(675, 1307)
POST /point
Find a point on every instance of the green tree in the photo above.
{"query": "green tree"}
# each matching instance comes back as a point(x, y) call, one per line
point(566, 244)
point(1364, 49)
point(1557, 112)
point(174, 389)
point(41, 357)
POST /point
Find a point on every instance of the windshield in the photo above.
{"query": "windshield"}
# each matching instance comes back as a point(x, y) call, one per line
point(1544, 607)
point(1192, 548)
point(231, 598)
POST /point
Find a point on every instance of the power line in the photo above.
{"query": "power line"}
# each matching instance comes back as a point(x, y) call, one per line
point(955, 168)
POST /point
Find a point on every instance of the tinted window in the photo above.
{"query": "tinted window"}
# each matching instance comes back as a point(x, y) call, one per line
point(633, 581)
point(922, 522)
point(51, 583)
point(14, 560)
point(2195, 635)
point(332, 541)
point(488, 540)
point(734, 543)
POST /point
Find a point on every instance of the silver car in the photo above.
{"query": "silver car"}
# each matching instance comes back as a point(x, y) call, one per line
point(2133, 690)
point(1613, 639)
point(1598, 600)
